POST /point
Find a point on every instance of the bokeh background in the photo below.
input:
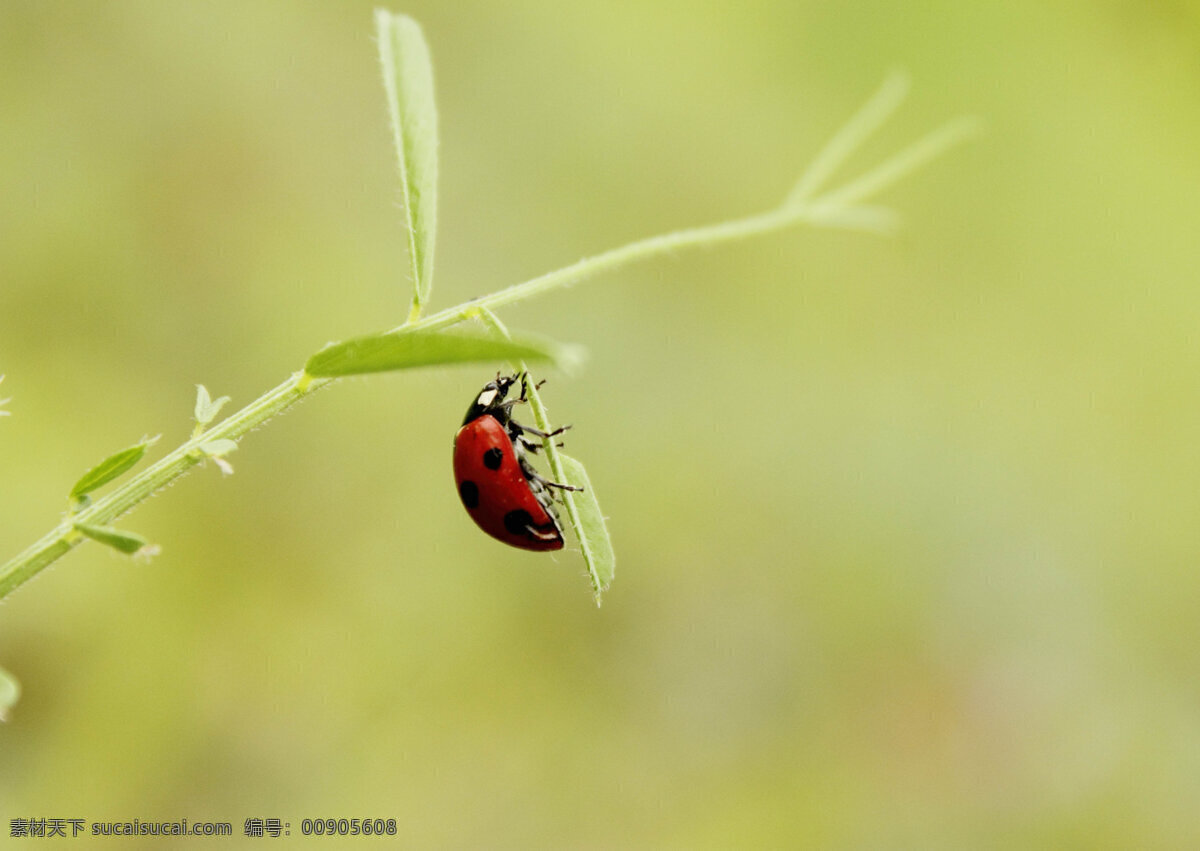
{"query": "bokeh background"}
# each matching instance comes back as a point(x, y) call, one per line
point(907, 528)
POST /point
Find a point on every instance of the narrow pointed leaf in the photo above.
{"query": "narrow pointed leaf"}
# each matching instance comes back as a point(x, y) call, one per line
point(126, 542)
point(927, 148)
point(10, 693)
point(408, 82)
point(389, 351)
point(111, 467)
point(206, 407)
point(869, 118)
point(590, 528)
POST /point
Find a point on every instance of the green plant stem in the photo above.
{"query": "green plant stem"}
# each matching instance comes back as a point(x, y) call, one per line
point(103, 511)
point(839, 208)
point(774, 220)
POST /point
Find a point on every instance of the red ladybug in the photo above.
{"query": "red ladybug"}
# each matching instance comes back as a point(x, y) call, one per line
point(499, 488)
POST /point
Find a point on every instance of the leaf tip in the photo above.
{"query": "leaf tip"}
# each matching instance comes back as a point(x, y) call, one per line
point(147, 552)
point(570, 357)
point(125, 542)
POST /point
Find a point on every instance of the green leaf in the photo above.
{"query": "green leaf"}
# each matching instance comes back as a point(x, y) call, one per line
point(590, 528)
point(126, 542)
point(206, 408)
point(10, 693)
point(402, 349)
point(110, 468)
point(408, 82)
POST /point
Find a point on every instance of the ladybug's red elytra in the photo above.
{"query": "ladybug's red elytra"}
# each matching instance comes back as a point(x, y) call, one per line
point(498, 486)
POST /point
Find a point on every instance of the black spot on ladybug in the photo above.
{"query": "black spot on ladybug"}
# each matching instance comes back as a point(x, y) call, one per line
point(469, 491)
point(493, 458)
point(518, 521)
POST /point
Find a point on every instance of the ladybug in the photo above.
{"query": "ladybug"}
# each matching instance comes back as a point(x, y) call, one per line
point(498, 486)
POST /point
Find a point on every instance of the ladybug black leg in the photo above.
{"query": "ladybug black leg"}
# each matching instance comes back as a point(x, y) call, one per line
point(518, 436)
point(544, 434)
point(546, 483)
point(529, 445)
point(560, 486)
point(524, 378)
point(540, 482)
point(516, 430)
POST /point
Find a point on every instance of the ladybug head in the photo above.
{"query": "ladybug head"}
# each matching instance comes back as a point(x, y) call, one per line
point(491, 400)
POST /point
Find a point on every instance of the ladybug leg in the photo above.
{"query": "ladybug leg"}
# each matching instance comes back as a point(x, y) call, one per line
point(529, 445)
point(560, 486)
point(524, 376)
point(542, 481)
point(524, 379)
point(534, 447)
point(516, 431)
point(539, 482)
point(544, 434)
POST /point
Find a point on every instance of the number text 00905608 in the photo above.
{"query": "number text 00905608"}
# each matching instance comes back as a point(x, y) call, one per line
point(348, 827)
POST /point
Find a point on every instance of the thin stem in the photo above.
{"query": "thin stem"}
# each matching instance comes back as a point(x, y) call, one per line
point(64, 537)
point(103, 511)
point(827, 215)
point(837, 208)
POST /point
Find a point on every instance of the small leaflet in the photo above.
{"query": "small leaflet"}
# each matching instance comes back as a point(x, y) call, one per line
point(126, 542)
point(110, 468)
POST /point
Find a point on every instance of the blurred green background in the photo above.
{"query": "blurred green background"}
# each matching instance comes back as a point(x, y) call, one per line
point(906, 528)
